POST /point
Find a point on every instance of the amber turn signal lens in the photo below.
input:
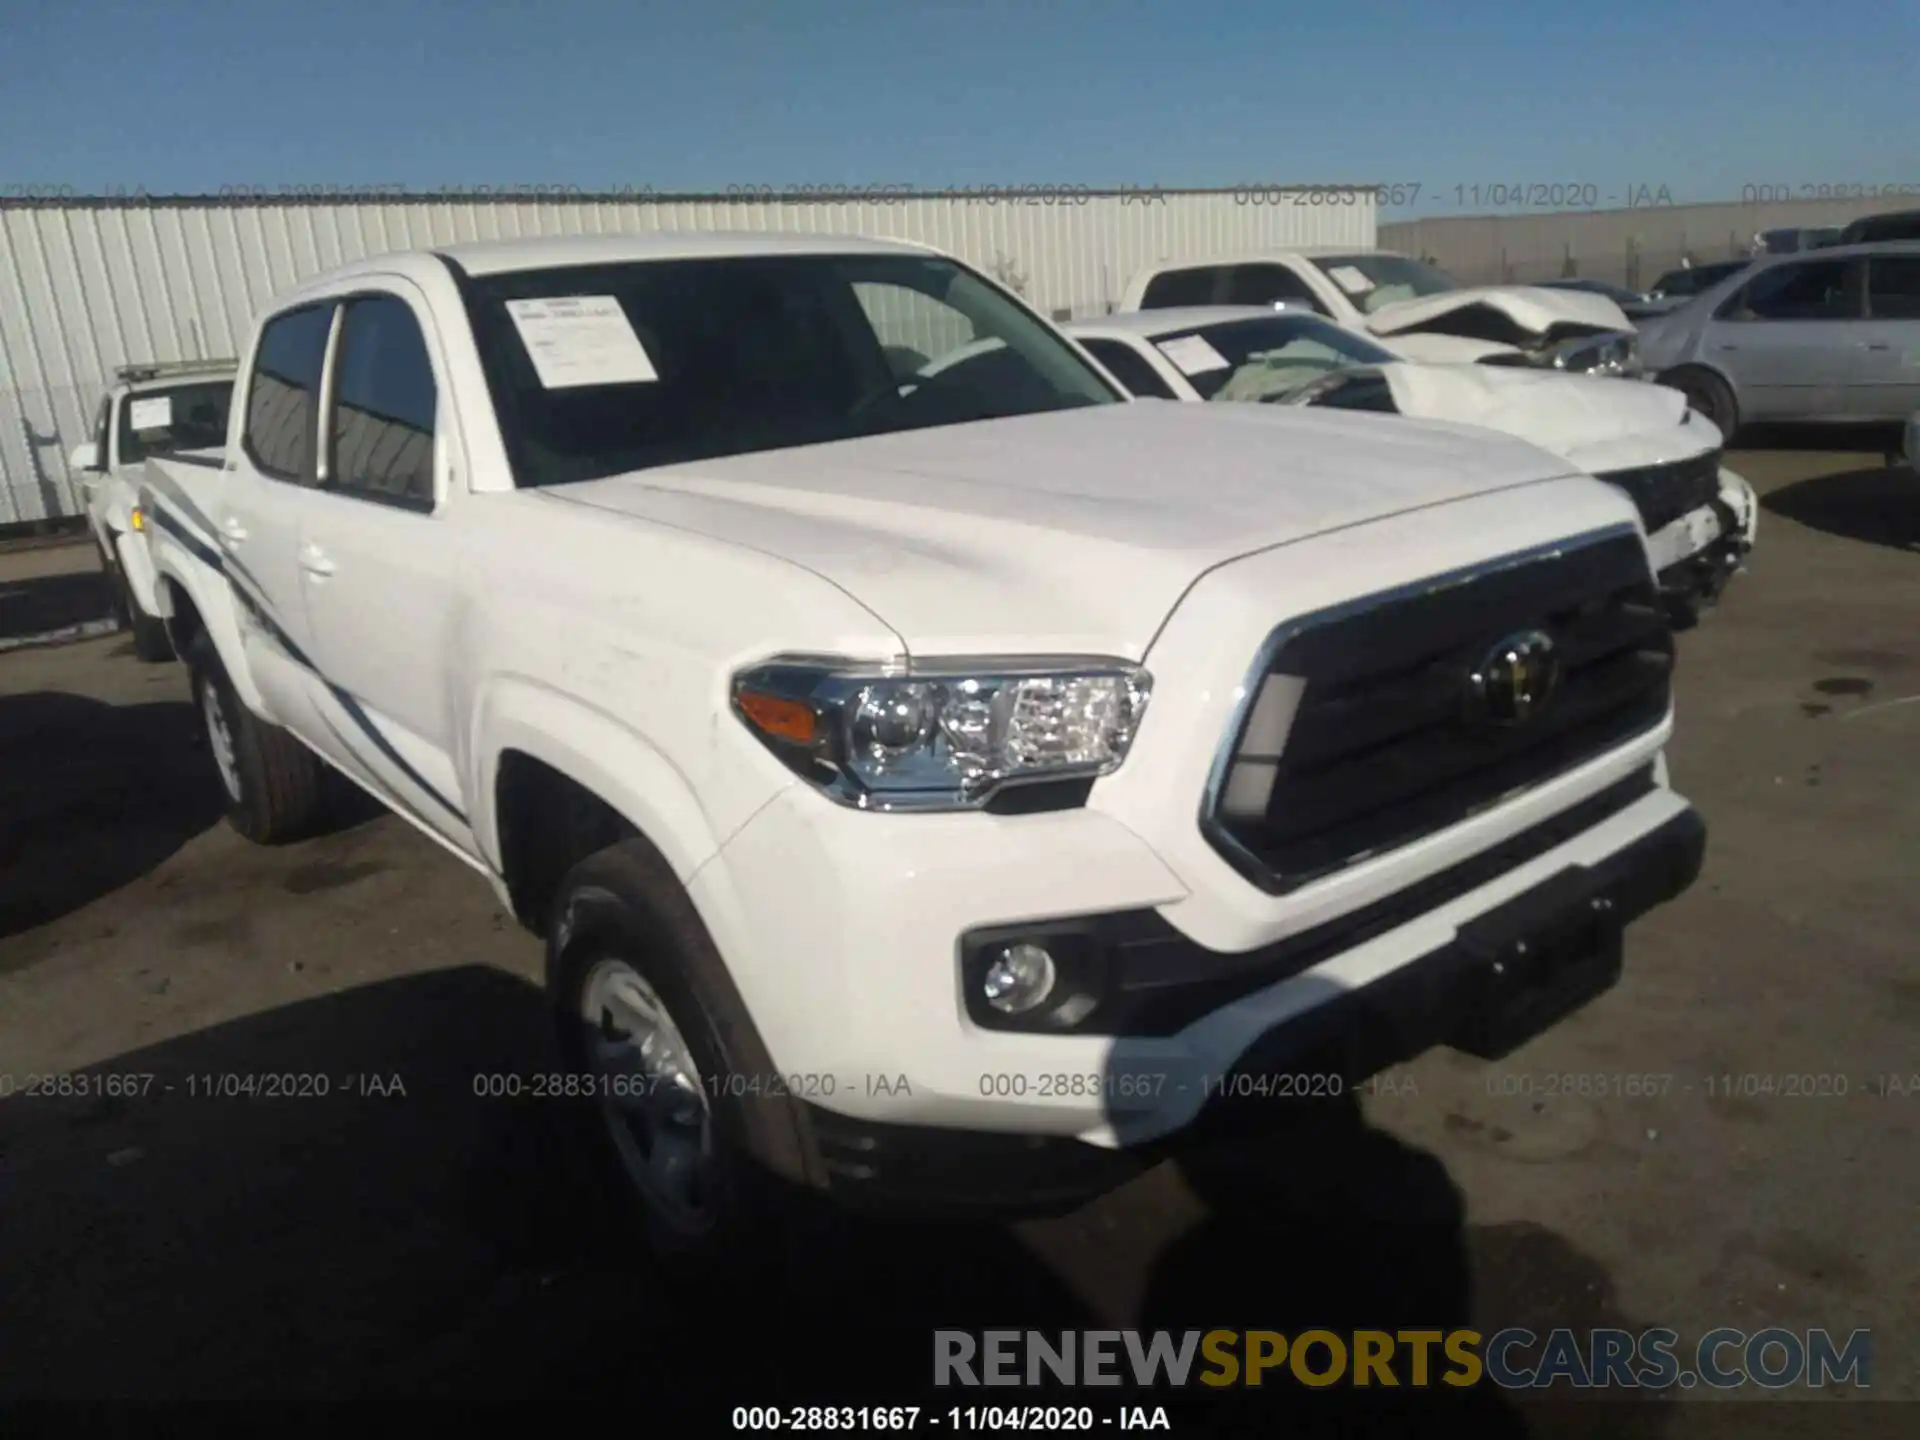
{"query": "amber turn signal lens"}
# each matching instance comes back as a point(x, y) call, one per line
point(779, 717)
point(139, 518)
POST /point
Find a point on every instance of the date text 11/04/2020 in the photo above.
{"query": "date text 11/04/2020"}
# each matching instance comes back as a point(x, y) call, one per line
point(1488, 195)
point(1055, 1418)
point(1726, 1085)
point(204, 1085)
point(1118, 1085)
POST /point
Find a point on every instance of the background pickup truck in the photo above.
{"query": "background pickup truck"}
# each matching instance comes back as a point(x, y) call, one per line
point(175, 408)
point(932, 783)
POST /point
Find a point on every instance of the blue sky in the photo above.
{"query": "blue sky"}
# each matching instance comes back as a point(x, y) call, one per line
point(1702, 98)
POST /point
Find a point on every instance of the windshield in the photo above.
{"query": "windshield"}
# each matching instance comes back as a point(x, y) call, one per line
point(1265, 359)
point(164, 420)
point(1371, 281)
point(660, 362)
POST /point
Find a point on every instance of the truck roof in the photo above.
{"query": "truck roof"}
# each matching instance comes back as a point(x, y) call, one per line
point(1171, 319)
point(1271, 252)
point(494, 257)
point(135, 378)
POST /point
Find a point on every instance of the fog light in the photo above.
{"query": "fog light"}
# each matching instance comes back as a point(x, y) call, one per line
point(1020, 977)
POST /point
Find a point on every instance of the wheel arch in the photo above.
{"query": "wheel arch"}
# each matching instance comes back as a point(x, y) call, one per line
point(557, 779)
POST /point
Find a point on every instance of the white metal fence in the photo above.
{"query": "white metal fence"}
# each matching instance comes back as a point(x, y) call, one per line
point(86, 286)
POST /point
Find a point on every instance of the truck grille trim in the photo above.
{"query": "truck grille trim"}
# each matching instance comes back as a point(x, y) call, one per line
point(1663, 493)
point(1382, 747)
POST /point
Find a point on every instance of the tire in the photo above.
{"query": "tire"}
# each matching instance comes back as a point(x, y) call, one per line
point(275, 787)
point(621, 916)
point(150, 640)
point(1707, 393)
point(116, 586)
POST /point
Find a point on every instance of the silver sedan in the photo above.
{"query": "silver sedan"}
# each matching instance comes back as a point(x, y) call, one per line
point(1825, 335)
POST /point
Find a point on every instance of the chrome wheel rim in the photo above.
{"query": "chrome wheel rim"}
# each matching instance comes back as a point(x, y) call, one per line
point(651, 1096)
point(220, 738)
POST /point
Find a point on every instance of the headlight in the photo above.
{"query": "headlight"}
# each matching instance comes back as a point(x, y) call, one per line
point(1608, 355)
point(943, 736)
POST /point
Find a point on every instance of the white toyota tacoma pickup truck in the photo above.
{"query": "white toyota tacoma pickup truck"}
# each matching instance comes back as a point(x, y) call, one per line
point(934, 789)
point(156, 409)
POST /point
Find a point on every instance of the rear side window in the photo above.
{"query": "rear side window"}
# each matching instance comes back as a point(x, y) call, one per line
point(1173, 288)
point(283, 394)
point(380, 435)
point(1893, 287)
point(100, 432)
point(1130, 368)
point(180, 417)
point(1264, 284)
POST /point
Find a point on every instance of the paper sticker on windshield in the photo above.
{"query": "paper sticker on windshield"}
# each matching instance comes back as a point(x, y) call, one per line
point(1192, 355)
point(154, 412)
point(1350, 280)
point(576, 340)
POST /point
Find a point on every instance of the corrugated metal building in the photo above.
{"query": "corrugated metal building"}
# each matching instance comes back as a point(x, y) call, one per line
point(87, 285)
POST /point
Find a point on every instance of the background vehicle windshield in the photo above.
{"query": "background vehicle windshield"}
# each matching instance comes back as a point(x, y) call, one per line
point(755, 353)
point(175, 417)
point(1265, 359)
point(1371, 281)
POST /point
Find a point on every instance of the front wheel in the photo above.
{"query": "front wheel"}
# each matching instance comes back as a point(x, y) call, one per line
point(274, 786)
point(150, 640)
point(663, 1049)
point(1708, 394)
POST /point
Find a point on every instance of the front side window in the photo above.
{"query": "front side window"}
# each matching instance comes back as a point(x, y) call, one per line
point(1130, 368)
point(1372, 281)
point(1893, 287)
point(1812, 290)
point(380, 436)
point(1264, 284)
point(174, 418)
point(1176, 289)
point(600, 370)
point(1265, 360)
point(283, 392)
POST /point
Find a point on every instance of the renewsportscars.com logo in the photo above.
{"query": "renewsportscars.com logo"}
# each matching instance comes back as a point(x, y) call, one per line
point(1513, 1359)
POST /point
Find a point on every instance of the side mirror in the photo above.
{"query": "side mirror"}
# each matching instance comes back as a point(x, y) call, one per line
point(85, 458)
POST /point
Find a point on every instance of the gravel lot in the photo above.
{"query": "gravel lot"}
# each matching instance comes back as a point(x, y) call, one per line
point(380, 1243)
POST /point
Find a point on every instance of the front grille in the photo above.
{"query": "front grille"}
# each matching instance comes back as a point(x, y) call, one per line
point(1385, 745)
point(1663, 493)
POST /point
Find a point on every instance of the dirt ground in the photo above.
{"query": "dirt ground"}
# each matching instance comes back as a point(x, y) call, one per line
point(404, 1238)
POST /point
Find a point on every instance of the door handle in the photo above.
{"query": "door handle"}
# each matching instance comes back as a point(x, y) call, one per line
point(232, 532)
point(1874, 345)
point(1726, 347)
point(314, 561)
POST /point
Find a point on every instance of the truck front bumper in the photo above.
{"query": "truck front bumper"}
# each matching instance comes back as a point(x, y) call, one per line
point(1502, 978)
point(855, 938)
point(1699, 553)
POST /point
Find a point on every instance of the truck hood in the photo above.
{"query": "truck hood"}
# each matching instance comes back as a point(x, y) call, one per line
point(1514, 314)
point(1071, 532)
point(1593, 422)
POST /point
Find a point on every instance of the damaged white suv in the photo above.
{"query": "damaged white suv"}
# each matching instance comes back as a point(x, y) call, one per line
point(931, 787)
point(1701, 518)
point(1426, 312)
